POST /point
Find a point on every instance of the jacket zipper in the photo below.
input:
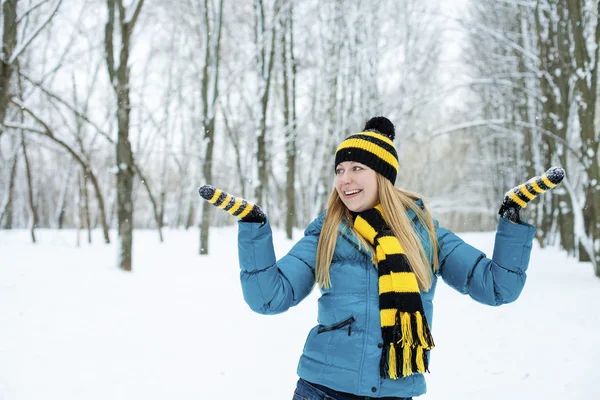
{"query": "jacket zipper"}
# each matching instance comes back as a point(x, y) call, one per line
point(353, 243)
point(348, 322)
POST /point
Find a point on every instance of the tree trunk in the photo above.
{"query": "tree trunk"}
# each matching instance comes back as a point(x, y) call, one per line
point(33, 215)
point(553, 48)
point(289, 117)
point(79, 210)
point(207, 172)
point(204, 227)
point(155, 208)
point(264, 67)
point(235, 143)
point(124, 180)
point(6, 212)
point(528, 108)
point(86, 208)
point(209, 85)
point(585, 98)
point(100, 200)
point(209, 136)
point(562, 63)
point(191, 214)
point(9, 41)
point(119, 77)
point(62, 198)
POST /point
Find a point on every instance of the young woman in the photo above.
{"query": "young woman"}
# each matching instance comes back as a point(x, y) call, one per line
point(376, 254)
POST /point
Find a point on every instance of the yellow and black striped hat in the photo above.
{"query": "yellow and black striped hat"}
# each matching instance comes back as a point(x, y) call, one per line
point(374, 147)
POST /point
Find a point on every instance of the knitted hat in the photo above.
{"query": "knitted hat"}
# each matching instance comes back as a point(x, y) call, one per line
point(374, 148)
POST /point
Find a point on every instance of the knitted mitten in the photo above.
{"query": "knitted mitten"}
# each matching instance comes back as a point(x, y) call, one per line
point(237, 207)
point(518, 197)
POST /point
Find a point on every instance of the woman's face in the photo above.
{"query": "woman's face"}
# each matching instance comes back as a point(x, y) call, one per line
point(356, 184)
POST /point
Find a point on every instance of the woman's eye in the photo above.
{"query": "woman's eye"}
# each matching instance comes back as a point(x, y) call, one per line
point(338, 171)
point(357, 168)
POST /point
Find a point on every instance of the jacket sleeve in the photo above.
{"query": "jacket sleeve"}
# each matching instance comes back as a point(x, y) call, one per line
point(494, 281)
point(270, 286)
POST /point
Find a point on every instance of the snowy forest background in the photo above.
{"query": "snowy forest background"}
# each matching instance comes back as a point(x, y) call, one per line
point(114, 112)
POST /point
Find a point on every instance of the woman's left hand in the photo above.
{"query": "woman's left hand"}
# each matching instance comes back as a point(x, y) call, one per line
point(519, 196)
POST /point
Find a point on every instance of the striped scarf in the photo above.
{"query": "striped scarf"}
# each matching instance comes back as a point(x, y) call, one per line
point(404, 328)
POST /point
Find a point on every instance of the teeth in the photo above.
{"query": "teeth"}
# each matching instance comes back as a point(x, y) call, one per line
point(351, 192)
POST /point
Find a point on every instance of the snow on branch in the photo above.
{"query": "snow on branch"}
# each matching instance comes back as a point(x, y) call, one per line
point(529, 4)
point(465, 125)
point(494, 123)
point(68, 105)
point(16, 125)
point(22, 46)
point(18, 102)
point(502, 38)
point(31, 9)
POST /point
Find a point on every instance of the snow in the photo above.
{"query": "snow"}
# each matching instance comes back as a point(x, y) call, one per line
point(72, 326)
point(590, 152)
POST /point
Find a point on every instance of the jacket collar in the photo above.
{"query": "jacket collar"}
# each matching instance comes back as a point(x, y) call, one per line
point(348, 234)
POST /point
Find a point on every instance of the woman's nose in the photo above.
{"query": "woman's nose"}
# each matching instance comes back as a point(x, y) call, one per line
point(346, 177)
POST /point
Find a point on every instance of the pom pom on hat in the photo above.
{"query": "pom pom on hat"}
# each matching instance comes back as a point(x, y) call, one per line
point(381, 125)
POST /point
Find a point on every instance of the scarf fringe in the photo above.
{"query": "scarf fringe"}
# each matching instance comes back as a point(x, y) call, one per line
point(407, 353)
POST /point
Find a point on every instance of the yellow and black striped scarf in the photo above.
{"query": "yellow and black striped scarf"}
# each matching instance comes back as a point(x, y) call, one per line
point(404, 328)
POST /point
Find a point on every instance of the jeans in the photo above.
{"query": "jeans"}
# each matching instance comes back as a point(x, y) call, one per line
point(306, 391)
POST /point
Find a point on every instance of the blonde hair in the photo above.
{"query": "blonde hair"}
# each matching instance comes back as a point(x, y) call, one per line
point(395, 203)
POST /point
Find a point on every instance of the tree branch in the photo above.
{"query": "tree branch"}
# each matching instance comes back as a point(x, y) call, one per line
point(28, 128)
point(131, 22)
point(47, 132)
point(17, 52)
point(33, 8)
point(109, 30)
point(502, 39)
point(66, 104)
point(497, 123)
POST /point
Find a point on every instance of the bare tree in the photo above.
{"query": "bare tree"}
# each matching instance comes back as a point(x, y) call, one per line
point(11, 49)
point(289, 68)
point(210, 94)
point(553, 38)
point(6, 209)
point(9, 42)
point(264, 39)
point(46, 132)
point(62, 199)
point(585, 58)
point(33, 214)
point(119, 78)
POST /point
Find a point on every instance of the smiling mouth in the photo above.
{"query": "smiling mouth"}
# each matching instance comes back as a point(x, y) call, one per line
point(351, 193)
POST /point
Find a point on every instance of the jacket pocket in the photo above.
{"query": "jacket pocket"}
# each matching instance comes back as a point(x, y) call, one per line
point(345, 324)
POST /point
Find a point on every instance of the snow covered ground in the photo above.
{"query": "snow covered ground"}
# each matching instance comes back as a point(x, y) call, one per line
point(73, 327)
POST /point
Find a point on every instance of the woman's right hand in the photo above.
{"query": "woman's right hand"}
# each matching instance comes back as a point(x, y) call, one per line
point(238, 207)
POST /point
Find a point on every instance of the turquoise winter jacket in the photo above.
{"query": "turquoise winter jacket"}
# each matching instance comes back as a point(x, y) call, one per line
point(342, 352)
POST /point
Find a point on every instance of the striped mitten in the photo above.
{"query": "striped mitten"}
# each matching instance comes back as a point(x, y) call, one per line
point(237, 207)
point(518, 197)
